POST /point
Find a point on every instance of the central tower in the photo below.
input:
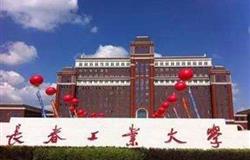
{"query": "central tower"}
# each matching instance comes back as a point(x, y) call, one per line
point(142, 77)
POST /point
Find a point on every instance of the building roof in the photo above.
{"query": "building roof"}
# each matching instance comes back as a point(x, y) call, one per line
point(247, 111)
point(163, 57)
point(182, 57)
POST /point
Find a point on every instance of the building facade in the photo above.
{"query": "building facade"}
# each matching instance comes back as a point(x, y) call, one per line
point(18, 110)
point(136, 86)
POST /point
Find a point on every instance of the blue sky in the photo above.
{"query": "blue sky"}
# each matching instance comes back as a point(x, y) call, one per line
point(63, 29)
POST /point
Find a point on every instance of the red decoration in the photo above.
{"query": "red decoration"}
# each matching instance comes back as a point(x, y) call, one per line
point(100, 114)
point(72, 109)
point(172, 98)
point(93, 115)
point(165, 105)
point(161, 110)
point(36, 80)
point(180, 85)
point(50, 91)
point(153, 115)
point(67, 98)
point(74, 101)
point(185, 74)
point(80, 112)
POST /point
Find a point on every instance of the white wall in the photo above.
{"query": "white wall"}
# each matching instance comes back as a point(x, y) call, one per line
point(152, 134)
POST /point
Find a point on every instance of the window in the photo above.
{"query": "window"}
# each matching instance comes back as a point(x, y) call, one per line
point(80, 64)
point(122, 64)
point(91, 64)
point(141, 113)
point(188, 63)
point(205, 63)
point(172, 63)
point(200, 63)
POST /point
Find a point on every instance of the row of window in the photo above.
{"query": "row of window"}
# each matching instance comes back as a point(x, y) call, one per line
point(101, 70)
point(176, 75)
point(123, 76)
point(100, 82)
point(157, 82)
point(157, 63)
point(183, 63)
point(100, 87)
point(102, 64)
point(189, 82)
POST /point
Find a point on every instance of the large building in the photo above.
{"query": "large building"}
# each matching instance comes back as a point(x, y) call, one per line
point(18, 110)
point(135, 86)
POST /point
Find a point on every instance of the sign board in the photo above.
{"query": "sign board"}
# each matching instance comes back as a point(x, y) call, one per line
point(123, 132)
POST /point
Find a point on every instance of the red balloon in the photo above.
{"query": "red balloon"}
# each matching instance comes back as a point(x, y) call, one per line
point(72, 109)
point(185, 74)
point(50, 91)
point(165, 105)
point(80, 112)
point(67, 98)
point(153, 115)
point(36, 80)
point(180, 85)
point(74, 101)
point(172, 98)
point(100, 114)
point(161, 110)
point(93, 115)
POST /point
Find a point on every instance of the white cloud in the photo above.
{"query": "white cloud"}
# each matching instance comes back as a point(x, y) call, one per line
point(14, 53)
point(94, 29)
point(43, 15)
point(108, 51)
point(11, 77)
point(158, 55)
point(26, 94)
point(236, 91)
point(8, 94)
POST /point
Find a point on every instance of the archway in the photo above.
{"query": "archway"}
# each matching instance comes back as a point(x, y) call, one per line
point(141, 113)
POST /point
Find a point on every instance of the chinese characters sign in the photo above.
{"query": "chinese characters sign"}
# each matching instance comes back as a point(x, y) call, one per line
point(148, 133)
